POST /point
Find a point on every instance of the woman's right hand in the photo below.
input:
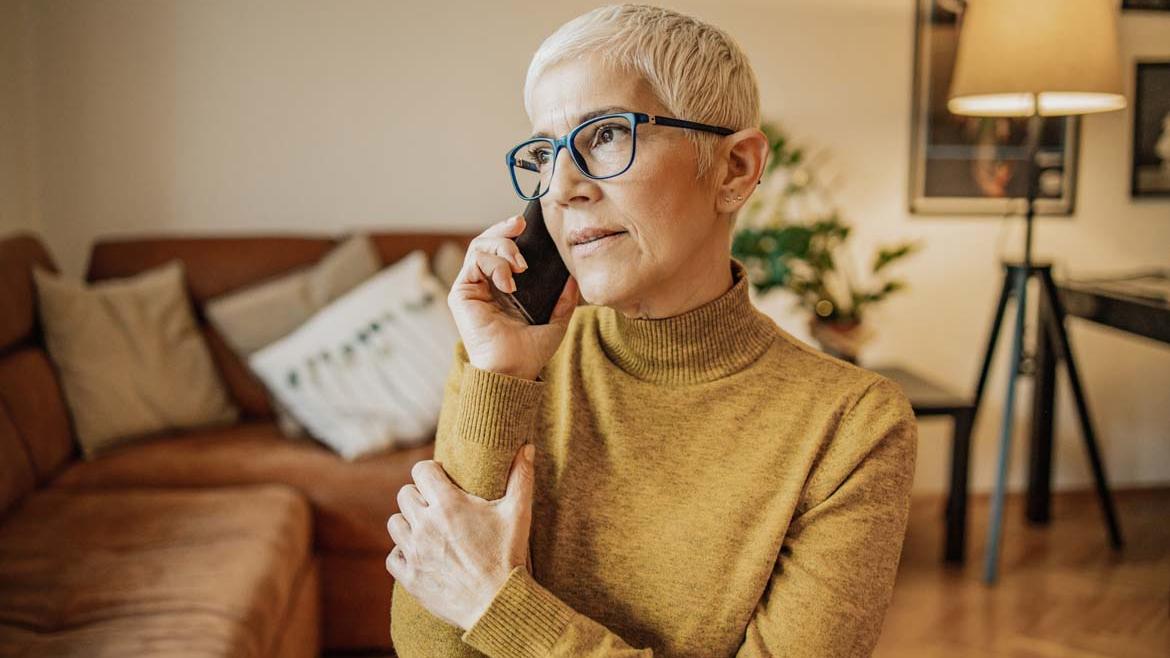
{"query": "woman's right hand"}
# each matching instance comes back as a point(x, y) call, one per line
point(495, 339)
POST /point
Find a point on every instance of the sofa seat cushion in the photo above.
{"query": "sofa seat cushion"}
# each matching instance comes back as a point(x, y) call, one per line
point(151, 572)
point(351, 500)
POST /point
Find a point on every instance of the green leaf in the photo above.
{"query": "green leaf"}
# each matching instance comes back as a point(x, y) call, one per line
point(887, 255)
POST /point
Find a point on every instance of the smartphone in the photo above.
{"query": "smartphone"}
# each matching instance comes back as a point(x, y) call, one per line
point(539, 287)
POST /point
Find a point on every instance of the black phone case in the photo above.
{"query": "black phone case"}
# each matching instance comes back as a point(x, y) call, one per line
point(539, 286)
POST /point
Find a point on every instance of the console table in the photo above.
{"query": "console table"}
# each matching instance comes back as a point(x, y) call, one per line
point(1138, 304)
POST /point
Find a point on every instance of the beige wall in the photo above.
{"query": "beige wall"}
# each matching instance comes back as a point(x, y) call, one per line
point(165, 116)
point(19, 210)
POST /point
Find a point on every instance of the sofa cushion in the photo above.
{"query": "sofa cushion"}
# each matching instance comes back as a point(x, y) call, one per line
point(18, 318)
point(32, 397)
point(147, 572)
point(217, 265)
point(131, 359)
point(365, 373)
point(16, 471)
point(258, 315)
point(351, 500)
point(245, 387)
point(448, 261)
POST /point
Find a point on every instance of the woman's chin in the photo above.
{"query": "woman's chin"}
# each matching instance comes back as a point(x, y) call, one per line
point(600, 288)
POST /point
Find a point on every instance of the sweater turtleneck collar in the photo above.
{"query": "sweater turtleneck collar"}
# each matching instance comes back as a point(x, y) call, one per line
point(721, 337)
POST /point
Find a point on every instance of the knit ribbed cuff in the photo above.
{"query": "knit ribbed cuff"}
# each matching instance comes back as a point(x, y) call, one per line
point(497, 410)
point(523, 620)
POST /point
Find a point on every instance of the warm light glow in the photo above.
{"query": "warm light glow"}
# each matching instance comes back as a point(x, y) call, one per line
point(1072, 102)
point(1051, 104)
point(993, 105)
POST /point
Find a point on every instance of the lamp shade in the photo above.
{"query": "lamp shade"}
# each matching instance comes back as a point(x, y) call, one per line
point(1051, 57)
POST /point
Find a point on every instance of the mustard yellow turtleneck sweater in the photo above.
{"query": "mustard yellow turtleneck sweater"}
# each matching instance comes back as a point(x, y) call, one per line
point(706, 485)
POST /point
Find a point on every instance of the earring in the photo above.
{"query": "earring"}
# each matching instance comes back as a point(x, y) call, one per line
point(737, 198)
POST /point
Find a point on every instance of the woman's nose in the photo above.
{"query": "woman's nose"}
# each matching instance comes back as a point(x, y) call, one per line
point(566, 179)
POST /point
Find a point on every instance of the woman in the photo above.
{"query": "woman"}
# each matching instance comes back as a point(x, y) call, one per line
point(704, 484)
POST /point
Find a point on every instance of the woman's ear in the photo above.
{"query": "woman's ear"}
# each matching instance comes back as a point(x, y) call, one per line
point(745, 154)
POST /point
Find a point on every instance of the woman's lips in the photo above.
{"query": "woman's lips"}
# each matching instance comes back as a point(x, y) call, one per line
point(595, 246)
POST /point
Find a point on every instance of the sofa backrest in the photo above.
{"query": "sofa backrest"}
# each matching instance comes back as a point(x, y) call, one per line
point(36, 437)
point(217, 265)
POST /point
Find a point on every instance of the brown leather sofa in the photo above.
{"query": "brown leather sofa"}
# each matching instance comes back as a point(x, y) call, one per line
point(234, 541)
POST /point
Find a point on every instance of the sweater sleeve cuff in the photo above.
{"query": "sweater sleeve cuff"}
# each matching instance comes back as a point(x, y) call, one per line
point(497, 410)
point(523, 620)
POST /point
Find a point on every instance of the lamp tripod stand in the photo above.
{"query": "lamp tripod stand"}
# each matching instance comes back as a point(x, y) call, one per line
point(1015, 284)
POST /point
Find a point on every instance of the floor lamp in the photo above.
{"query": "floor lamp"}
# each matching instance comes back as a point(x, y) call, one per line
point(1035, 59)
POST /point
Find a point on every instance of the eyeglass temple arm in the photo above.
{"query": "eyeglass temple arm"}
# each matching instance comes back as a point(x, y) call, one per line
point(683, 123)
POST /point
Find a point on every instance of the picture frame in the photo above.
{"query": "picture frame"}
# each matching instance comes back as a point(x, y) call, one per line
point(1146, 5)
point(1150, 164)
point(966, 165)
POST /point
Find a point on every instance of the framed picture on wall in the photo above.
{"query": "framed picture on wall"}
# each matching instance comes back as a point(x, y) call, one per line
point(1148, 5)
point(965, 165)
point(1150, 173)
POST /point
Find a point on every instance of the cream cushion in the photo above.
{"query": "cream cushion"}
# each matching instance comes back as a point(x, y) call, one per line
point(131, 359)
point(253, 317)
point(448, 261)
point(366, 373)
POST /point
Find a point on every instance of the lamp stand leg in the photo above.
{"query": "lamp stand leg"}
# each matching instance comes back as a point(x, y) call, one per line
point(990, 570)
point(996, 324)
point(956, 509)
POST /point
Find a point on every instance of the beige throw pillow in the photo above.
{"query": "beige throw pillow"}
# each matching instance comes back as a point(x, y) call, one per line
point(256, 316)
point(131, 360)
point(253, 317)
point(448, 262)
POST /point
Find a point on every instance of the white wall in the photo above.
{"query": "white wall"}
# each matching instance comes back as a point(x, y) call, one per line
point(223, 115)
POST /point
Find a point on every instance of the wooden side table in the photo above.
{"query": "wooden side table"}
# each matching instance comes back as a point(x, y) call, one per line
point(929, 398)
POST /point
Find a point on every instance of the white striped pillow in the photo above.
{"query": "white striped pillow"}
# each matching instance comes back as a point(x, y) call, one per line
point(366, 372)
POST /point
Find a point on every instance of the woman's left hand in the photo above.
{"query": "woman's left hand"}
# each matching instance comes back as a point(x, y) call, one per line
point(453, 550)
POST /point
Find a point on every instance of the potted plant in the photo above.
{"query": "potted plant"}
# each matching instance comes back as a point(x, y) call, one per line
point(807, 254)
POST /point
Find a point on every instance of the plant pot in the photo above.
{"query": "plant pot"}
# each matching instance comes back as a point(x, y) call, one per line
point(842, 340)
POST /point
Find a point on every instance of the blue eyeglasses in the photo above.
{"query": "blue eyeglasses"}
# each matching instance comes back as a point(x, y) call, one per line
point(602, 147)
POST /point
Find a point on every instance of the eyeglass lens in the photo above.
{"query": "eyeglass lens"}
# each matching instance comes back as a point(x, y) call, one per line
point(604, 148)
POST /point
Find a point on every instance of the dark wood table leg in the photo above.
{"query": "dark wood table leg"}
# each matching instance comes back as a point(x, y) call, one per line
point(956, 512)
point(1039, 498)
point(1064, 347)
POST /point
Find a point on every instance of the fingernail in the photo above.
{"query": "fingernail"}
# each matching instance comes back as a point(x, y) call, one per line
point(520, 259)
point(529, 451)
point(511, 286)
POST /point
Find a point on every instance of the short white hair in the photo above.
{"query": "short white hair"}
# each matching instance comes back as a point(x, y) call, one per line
point(696, 70)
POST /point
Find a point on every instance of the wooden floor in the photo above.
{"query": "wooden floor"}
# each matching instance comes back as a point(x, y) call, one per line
point(1061, 590)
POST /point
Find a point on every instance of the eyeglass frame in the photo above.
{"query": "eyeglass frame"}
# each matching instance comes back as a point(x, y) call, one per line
point(566, 142)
